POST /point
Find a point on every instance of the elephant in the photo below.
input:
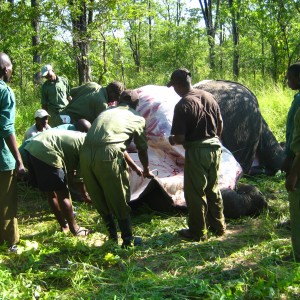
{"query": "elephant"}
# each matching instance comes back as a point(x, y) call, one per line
point(242, 144)
point(165, 191)
point(246, 134)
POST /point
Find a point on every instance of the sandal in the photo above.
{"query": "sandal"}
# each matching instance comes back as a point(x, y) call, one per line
point(81, 231)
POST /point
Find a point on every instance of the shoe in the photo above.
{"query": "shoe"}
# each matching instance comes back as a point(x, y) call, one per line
point(188, 235)
point(81, 231)
point(13, 249)
point(218, 232)
point(132, 242)
point(126, 234)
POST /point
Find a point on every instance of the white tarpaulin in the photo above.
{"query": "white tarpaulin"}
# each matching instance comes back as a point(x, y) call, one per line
point(156, 106)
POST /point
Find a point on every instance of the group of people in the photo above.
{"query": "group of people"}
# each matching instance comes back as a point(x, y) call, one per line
point(95, 158)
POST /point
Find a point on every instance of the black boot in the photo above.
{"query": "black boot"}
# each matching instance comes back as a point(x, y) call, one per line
point(111, 227)
point(126, 233)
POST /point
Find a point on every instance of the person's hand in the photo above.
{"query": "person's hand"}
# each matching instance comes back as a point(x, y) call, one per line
point(86, 198)
point(286, 165)
point(171, 140)
point(138, 170)
point(290, 182)
point(20, 170)
point(148, 174)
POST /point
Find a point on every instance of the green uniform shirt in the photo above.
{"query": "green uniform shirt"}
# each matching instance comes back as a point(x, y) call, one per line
point(55, 93)
point(117, 126)
point(88, 101)
point(295, 143)
point(57, 148)
point(290, 124)
point(7, 119)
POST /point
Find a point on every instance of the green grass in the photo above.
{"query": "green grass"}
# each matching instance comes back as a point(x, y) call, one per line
point(245, 264)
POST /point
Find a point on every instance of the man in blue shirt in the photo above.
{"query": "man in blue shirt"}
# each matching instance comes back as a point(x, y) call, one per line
point(10, 158)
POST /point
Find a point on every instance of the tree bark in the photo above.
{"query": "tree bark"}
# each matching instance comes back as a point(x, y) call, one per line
point(81, 42)
point(37, 56)
point(211, 25)
point(235, 37)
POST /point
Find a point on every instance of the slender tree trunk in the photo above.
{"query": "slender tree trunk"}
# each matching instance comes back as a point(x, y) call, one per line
point(236, 38)
point(81, 43)
point(37, 56)
point(263, 56)
point(274, 51)
point(150, 25)
point(208, 12)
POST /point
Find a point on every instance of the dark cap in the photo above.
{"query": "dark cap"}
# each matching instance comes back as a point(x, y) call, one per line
point(180, 76)
point(129, 96)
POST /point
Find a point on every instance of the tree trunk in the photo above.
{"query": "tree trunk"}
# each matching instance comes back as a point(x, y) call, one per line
point(211, 25)
point(81, 43)
point(236, 38)
point(37, 56)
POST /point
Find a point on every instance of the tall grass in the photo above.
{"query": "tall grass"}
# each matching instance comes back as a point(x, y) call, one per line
point(245, 264)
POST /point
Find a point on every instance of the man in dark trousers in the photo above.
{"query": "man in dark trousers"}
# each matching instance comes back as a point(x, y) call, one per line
point(10, 158)
point(197, 125)
point(104, 160)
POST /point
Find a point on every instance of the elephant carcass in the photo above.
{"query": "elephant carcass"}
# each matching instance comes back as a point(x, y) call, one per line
point(165, 191)
point(246, 133)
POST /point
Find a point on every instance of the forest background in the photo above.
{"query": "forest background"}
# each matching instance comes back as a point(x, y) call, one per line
point(140, 43)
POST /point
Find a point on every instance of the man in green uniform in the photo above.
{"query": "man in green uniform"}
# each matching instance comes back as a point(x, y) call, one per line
point(10, 158)
point(54, 156)
point(197, 125)
point(104, 163)
point(292, 162)
point(90, 99)
point(56, 94)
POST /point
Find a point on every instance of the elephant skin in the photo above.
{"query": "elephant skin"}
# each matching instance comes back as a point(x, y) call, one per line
point(247, 200)
point(246, 133)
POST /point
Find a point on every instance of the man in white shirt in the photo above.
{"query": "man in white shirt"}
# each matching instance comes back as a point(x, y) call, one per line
point(41, 124)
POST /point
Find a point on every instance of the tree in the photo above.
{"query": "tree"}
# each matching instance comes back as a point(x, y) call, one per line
point(210, 13)
point(37, 57)
point(234, 7)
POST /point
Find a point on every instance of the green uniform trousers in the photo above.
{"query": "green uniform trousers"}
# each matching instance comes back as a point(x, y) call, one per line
point(294, 201)
point(202, 195)
point(9, 231)
point(106, 178)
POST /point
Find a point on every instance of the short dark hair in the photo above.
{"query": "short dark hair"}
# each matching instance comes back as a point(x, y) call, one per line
point(294, 69)
point(180, 76)
point(131, 97)
point(115, 88)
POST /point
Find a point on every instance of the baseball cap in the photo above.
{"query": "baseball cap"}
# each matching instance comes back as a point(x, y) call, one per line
point(129, 96)
point(41, 113)
point(179, 76)
point(45, 69)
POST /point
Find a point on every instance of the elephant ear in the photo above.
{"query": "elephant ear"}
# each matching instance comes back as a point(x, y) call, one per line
point(241, 116)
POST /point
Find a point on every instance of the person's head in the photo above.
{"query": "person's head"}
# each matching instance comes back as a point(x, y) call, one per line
point(41, 117)
point(293, 76)
point(83, 125)
point(5, 67)
point(129, 97)
point(48, 73)
point(181, 80)
point(114, 90)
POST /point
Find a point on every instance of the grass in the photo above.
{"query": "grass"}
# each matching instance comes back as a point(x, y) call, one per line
point(245, 264)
